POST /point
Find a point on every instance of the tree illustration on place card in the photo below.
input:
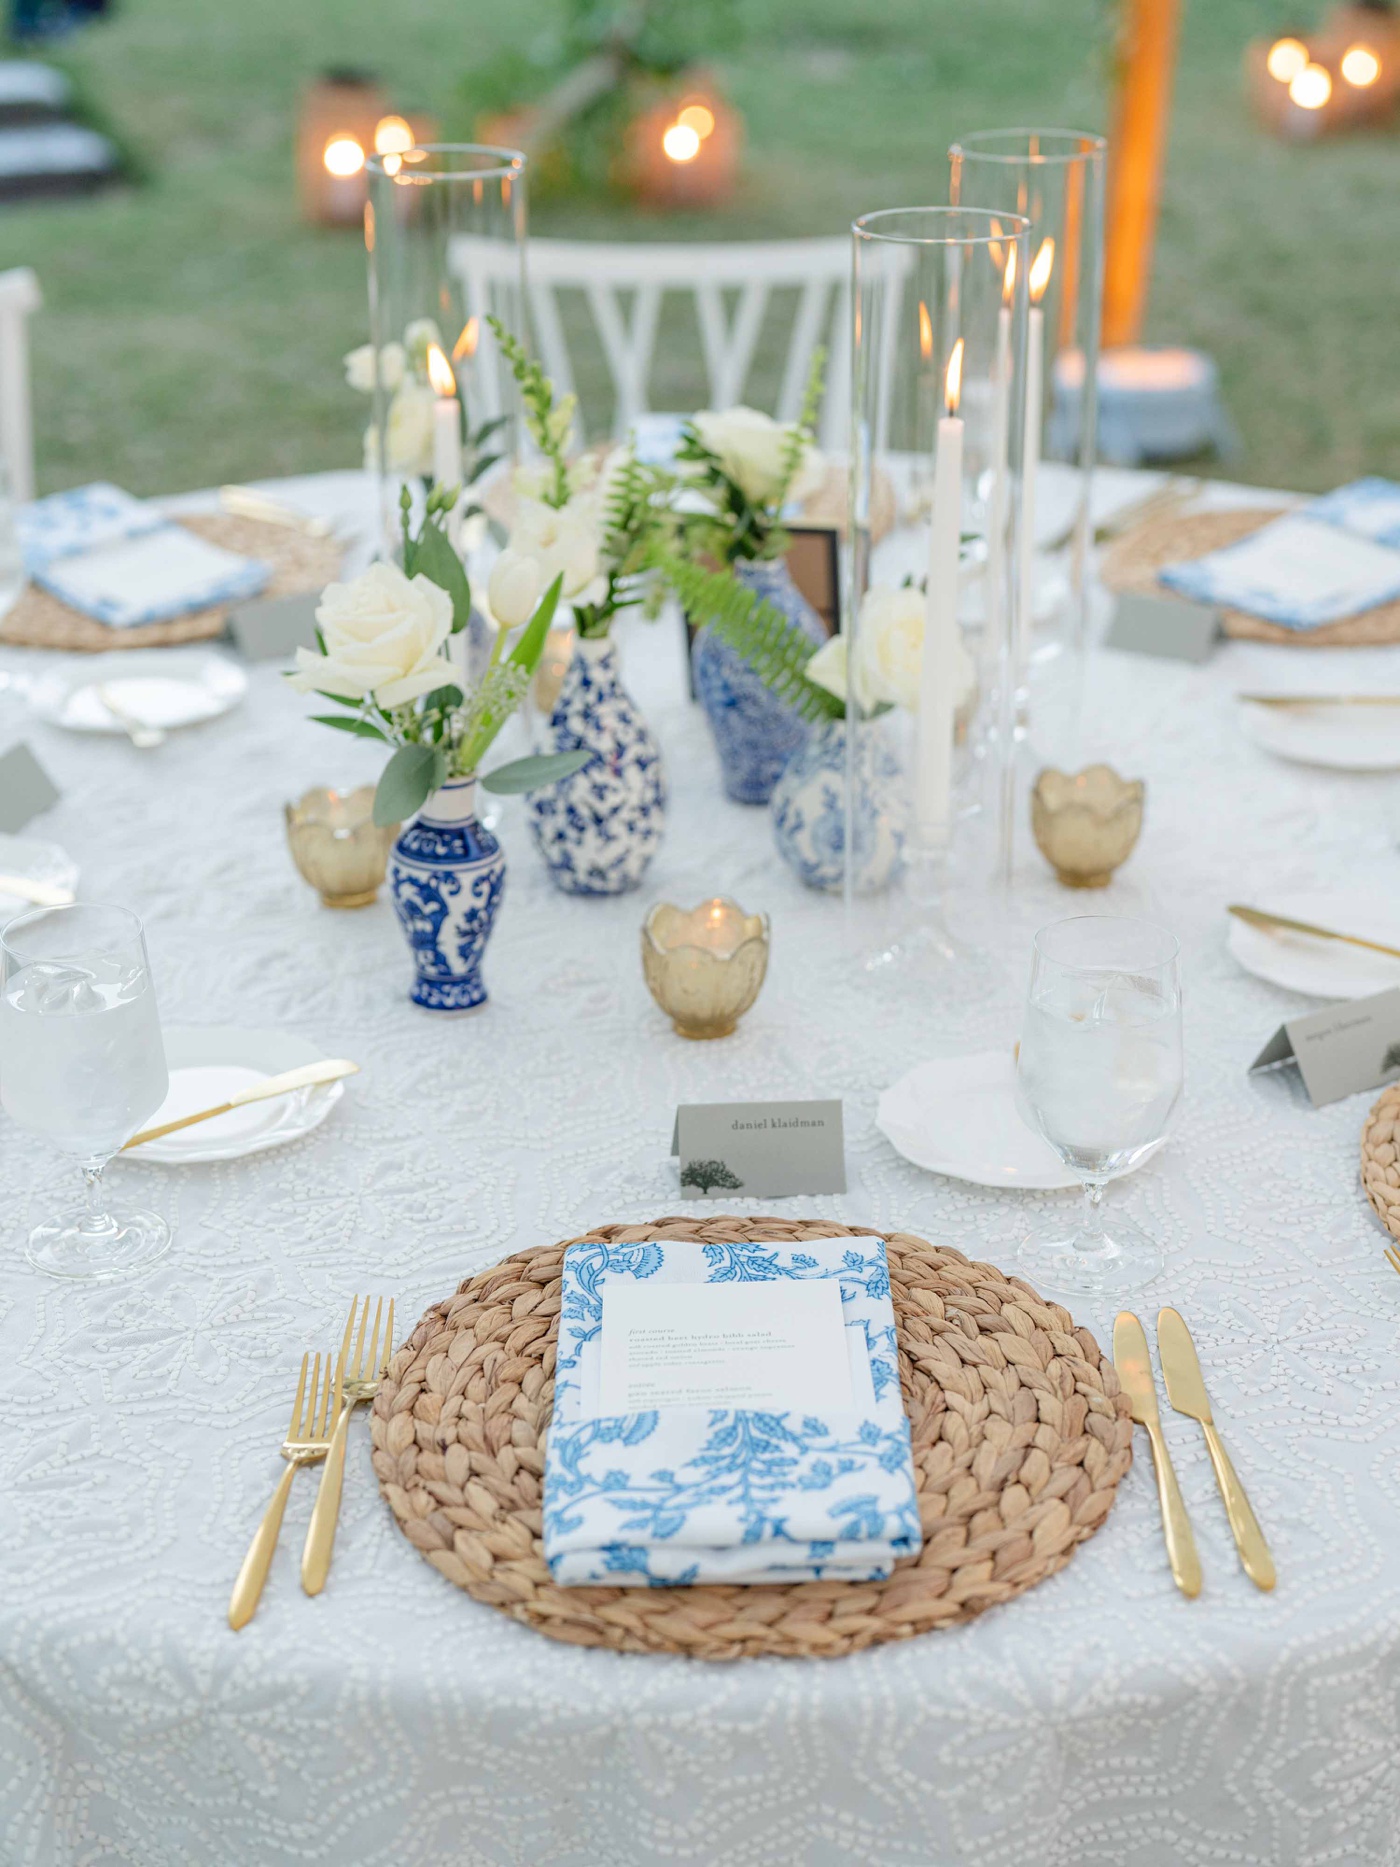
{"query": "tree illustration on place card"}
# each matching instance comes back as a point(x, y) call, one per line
point(708, 1173)
point(1391, 1060)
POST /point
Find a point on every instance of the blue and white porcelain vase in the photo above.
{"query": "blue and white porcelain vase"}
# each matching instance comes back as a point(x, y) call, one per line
point(446, 877)
point(809, 809)
point(755, 732)
point(599, 829)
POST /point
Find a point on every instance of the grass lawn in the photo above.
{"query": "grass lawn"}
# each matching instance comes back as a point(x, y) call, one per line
point(193, 327)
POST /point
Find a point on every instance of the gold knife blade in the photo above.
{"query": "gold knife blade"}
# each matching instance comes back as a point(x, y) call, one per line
point(1257, 917)
point(1186, 1390)
point(42, 894)
point(1320, 700)
point(329, 1070)
point(1134, 1367)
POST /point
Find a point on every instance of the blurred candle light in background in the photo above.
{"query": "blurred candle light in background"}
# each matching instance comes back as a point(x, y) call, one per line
point(1311, 88)
point(1287, 57)
point(1360, 66)
point(681, 141)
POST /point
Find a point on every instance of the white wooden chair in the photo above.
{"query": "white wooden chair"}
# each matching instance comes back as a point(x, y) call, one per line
point(19, 296)
point(731, 284)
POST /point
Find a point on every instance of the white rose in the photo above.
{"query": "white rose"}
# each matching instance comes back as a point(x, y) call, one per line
point(830, 667)
point(383, 636)
point(751, 447)
point(513, 589)
point(889, 653)
point(410, 430)
point(359, 367)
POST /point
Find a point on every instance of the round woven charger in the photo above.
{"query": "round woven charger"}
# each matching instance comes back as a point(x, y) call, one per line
point(298, 562)
point(1133, 561)
point(1380, 1159)
point(1020, 1439)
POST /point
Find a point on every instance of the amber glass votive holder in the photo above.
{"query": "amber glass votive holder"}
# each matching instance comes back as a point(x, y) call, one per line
point(337, 846)
point(1086, 822)
point(704, 965)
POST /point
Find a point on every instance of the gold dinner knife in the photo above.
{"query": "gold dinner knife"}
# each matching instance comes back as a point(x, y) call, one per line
point(1134, 1367)
point(42, 894)
point(330, 1070)
point(1320, 700)
point(1181, 1370)
point(1256, 917)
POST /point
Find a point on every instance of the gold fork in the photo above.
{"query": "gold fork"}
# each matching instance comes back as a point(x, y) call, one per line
point(1392, 1257)
point(363, 1371)
point(308, 1439)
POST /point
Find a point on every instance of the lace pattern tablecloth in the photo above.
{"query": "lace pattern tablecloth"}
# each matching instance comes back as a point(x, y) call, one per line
point(392, 1722)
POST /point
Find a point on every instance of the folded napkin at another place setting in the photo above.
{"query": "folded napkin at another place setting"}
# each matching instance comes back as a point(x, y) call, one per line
point(691, 1494)
point(123, 562)
point(1331, 558)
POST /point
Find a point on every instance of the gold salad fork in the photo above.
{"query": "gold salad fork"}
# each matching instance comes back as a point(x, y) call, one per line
point(364, 1367)
point(308, 1440)
point(1392, 1257)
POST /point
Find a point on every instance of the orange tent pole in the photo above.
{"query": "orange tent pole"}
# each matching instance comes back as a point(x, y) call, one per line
point(1137, 147)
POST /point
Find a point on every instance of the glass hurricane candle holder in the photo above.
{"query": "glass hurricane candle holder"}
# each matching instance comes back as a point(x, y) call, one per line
point(337, 846)
point(1086, 823)
point(704, 966)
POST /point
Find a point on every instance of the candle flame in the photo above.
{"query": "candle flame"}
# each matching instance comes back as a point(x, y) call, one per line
point(1008, 282)
point(1311, 88)
point(440, 372)
point(994, 251)
point(681, 142)
point(1360, 66)
point(466, 343)
point(700, 118)
point(925, 332)
point(343, 155)
point(392, 136)
point(952, 382)
point(1039, 277)
point(1286, 59)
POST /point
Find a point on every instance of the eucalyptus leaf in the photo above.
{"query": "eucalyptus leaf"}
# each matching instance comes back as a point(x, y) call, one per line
point(532, 774)
point(438, 562)
point(442, 698)
point(363, 729)
point(407, 782)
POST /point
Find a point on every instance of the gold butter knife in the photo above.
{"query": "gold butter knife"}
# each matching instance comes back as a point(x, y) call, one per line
point(1256, 917)
point(1134, 1367)
point(1320, 700)
point(1186, 1390)
point(329, 1071)
point(42, 894)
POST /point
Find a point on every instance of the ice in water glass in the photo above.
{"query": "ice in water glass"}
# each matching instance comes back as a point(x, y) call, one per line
point(82, 1063)
point(1099, 1074)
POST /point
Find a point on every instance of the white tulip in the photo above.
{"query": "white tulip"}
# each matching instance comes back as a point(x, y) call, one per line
point(383, 636)
point(513, 590)
point(562, 540)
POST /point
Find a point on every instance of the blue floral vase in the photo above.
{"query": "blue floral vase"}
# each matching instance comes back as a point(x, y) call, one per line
point(599, 829)
point(809, 809)
point(755, 732)
point(446, 877)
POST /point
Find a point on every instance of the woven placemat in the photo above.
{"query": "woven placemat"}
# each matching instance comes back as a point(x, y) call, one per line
point(1380, 1159)
point(1133, 561)
point(299, 563)
point(1020, 1440)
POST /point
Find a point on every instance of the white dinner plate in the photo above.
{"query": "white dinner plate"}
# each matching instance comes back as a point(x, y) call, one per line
point(35, 861)
point(208, 1063)
point(958, 1116)
point(1323, 968)
point(1346, 738)
point(167, 693)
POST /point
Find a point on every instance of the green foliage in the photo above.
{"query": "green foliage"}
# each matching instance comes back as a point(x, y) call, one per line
point(776, 650)
point(522, 661)
point(407, 782)
point(532, 774)
point(549, 425)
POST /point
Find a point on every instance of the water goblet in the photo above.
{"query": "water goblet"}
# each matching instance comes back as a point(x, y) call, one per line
point(1099, 1073)
point(82, 1063)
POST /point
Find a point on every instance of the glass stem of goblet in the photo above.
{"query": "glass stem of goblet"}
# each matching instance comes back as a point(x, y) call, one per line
point(97, 1221)
point(1093, 1232)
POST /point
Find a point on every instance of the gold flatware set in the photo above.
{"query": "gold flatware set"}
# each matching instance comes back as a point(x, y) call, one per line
point(1186, 1390)
point(1272, 923)
point(317, 1434)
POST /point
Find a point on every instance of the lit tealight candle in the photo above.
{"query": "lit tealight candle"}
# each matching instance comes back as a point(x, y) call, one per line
point(704, 966)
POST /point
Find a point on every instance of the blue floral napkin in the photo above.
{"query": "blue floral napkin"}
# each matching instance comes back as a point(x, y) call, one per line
point(1369, 507)
point(1299, 572)
point(686, 1495)
point(81, 519)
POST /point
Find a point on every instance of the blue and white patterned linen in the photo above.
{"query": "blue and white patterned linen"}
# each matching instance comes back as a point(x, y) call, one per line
point(687, 1495)
point(1299, 572)
point(82, 519)
point(1369, 507)
point(152, 577)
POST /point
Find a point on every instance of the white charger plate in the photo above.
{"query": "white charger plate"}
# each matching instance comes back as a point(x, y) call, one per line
point(958, 1116)
point(34, 861)
point(1344, 738)
point(167, 693)
point(1323, 968)
point(208, 1063)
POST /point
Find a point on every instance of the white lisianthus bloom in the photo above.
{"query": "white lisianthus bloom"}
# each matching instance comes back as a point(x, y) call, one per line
point(383, 635)
point(359, 367)
point(513, 589)
point(752, 448)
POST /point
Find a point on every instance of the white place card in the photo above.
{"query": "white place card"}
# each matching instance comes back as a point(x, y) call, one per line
point(775, 1346)
point(1342, 1049)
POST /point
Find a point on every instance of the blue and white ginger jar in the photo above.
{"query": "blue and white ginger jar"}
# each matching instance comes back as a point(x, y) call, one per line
point(599, 829)
point(809, 809)
point(755, 732)
point(446, 877)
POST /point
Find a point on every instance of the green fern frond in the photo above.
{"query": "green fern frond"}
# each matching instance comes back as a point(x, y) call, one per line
point(776, 650)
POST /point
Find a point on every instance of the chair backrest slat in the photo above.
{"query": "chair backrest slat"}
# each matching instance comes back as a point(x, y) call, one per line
point(19, 297)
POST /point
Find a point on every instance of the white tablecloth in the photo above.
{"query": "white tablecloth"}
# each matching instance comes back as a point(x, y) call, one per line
point(395, 1723)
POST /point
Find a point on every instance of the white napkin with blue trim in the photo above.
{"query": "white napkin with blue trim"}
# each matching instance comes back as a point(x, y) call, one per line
point(690, 1495)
